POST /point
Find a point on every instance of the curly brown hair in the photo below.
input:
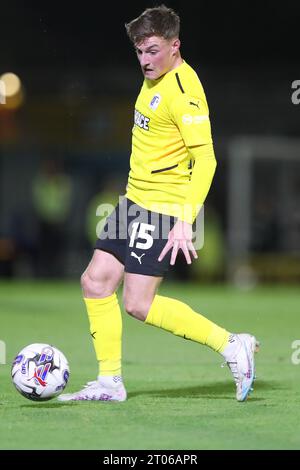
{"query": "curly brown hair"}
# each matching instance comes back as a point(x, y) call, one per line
point(159, 21)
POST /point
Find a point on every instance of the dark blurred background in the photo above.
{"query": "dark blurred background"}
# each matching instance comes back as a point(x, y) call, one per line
point(65, 133)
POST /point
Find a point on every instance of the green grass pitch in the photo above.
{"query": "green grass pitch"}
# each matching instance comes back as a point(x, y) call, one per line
point(178, 395)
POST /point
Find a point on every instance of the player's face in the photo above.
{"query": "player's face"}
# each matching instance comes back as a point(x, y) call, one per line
point(157, 56)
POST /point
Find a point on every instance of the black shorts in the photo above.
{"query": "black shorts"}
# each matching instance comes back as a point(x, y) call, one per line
point(136, 237)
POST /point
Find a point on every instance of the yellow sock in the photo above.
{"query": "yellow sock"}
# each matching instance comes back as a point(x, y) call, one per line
point(178, 318)
point(106, 330)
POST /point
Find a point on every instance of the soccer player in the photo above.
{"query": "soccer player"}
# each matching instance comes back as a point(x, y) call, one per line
point(172, 165)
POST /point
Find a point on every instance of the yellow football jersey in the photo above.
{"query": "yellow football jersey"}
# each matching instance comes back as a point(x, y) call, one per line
point(171, 114)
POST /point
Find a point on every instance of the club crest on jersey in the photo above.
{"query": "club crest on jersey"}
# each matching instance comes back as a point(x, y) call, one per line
point(155, 101)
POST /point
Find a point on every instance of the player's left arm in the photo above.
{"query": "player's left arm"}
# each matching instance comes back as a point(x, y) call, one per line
point(180, 237)
point(203, 172)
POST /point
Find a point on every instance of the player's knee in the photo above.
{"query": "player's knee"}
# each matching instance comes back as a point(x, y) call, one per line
point(92, 287)
point(136, 308)
point(86, 282)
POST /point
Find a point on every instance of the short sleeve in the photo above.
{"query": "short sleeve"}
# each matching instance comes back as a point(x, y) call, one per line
point(191, 116)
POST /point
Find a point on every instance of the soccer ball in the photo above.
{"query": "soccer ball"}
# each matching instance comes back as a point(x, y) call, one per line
point(40, 372)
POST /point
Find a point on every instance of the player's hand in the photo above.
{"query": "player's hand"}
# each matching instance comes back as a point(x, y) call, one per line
point(179, 238)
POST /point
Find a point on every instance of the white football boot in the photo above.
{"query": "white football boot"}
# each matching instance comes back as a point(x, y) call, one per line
point(240, 360)
point(99, 391)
